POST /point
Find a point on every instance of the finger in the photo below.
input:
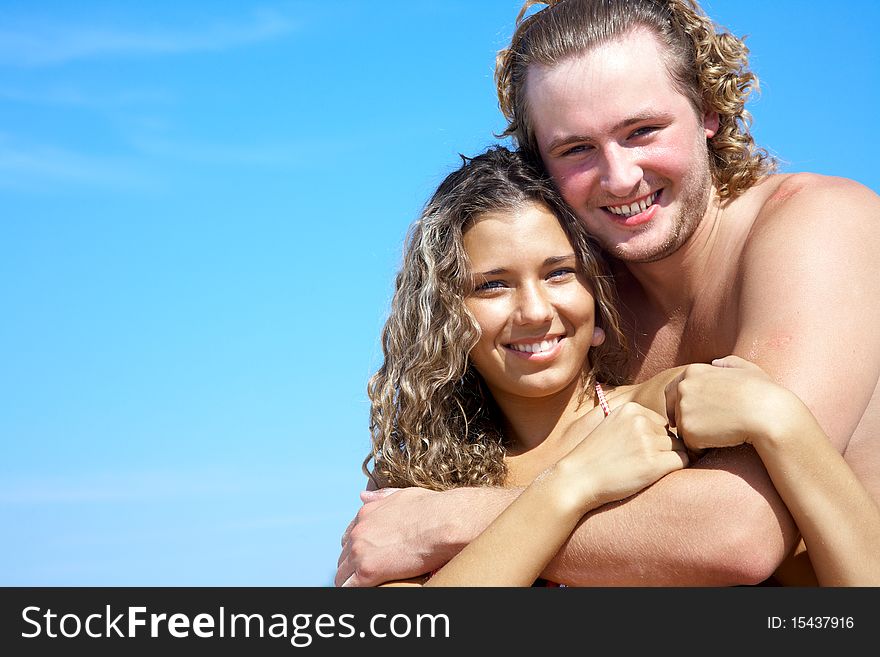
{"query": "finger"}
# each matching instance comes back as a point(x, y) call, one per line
point(346, 550)
point(671, 394)
point(676, 444)
point(672, 433)
point(733, 362)
point(681, 442)
point(682, 456)
point(344, 540)
point(343, 573)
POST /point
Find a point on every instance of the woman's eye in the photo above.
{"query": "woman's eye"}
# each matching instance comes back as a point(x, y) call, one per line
point(489, 285)
point(561, 273)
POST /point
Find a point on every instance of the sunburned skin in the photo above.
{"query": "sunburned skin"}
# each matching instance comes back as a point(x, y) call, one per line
point(783, 273)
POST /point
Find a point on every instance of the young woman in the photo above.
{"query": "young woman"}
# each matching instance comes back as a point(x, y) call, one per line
point(503, 364)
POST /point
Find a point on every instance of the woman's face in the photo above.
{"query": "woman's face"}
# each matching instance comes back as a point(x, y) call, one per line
point(534, 307)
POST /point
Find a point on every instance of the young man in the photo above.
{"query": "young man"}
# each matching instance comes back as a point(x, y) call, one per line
point(636, 109)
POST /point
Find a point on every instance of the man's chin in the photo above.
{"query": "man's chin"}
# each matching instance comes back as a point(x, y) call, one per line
point(641, 249)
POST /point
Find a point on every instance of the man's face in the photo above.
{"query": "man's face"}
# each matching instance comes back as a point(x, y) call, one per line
point(625, 147)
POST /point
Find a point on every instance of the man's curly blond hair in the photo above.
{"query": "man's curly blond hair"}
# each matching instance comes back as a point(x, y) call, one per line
point(706, 63)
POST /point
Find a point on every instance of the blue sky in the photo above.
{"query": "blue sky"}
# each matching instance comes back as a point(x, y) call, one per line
point(201, 212)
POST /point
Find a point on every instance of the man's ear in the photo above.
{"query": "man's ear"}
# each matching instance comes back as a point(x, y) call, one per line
point(710, 124)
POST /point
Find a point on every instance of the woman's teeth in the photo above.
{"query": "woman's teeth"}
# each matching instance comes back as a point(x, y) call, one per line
point(536, 347)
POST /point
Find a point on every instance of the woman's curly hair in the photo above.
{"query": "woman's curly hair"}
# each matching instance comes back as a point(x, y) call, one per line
point(707, 64)
point(433, 423)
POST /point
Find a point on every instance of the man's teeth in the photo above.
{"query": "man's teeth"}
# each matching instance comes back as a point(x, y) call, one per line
point(536, 347)
point(634, 208)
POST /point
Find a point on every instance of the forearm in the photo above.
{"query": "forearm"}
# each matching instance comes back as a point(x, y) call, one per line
point(476, 508)
point(717, 523)
point(517, 545)
point(838, 519)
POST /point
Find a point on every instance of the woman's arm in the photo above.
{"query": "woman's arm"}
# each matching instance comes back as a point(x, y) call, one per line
point(628, 451)
point(684, 540)
point(734, 401)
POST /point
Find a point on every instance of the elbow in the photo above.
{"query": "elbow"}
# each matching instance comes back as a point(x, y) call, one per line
point(749, 566)
point(752, 548)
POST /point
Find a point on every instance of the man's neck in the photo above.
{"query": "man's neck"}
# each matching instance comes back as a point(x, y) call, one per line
point(671, 285)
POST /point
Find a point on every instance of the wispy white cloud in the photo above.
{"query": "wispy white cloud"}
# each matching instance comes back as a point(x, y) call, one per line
point(175, 481)
point(71, 96)
point(127, 487)
point(46, 45)
point(35, 166)
point(30, 166)
point(223, 154)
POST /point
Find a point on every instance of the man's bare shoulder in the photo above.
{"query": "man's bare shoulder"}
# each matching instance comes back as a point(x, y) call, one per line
point(796, 213)
point(806, 304)
point(812, 197)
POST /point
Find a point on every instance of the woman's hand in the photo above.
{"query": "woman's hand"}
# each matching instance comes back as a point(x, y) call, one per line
point(730, 402)
point(628, 451)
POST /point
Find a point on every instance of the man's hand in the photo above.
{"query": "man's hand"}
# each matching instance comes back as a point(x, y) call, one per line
point(397, 534)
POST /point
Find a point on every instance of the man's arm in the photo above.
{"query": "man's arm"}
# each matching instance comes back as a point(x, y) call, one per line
point(718, 523)
point(733, 401)
point(809, 304)
point(807, 309)
point(412, 531)
point(674, 533)
point(668, 535)
point(517, 545)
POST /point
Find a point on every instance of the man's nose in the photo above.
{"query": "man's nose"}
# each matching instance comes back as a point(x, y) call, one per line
point(622, 173)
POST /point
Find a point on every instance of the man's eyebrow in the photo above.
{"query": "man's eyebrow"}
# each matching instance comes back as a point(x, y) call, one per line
point(640, 117)
point(620, 125)
point(559, 142)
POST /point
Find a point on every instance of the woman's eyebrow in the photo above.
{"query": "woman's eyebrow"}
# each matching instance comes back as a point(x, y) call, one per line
point(552, 260)
point(491, 272)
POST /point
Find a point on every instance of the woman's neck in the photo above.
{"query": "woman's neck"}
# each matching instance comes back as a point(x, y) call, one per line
point(531, 421)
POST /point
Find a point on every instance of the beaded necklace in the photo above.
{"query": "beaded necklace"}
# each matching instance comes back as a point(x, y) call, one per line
point(602, 401)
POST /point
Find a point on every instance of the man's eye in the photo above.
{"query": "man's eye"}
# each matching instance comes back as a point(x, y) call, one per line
point(647, 130)
point(576, 150)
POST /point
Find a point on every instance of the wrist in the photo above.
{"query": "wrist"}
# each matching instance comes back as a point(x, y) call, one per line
point(465, 514)
point(783, 417)
point(569, 491)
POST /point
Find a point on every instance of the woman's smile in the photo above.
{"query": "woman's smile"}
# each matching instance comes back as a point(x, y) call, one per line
point(533, 305)
point(540, 350)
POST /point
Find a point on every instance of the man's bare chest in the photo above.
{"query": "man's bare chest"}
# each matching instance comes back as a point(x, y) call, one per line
point(663, 343)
